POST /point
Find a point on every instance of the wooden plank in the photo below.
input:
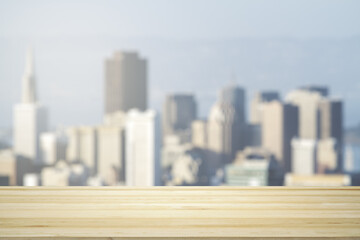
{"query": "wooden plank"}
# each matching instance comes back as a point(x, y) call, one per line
point(179, 212)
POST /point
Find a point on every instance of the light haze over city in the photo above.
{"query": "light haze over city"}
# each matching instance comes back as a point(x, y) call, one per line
point(192, 46)
point(179, 93)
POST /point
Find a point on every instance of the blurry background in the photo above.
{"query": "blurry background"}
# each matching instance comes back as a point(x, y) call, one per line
point(191, 47)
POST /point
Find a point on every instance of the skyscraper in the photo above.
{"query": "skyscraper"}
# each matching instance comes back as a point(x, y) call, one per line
point(82, 146)
point(199, 134)
point(142, 149)
point(331, 120)
point(178, 113)
point(309, 117)
point(53, 147)
point(235, 96)
point(111, 154)
point(279, 126)
point(257, 102)
point(222, 132)
point(328, 157)
point(323, 90)
point(30, 117)
point(125, 82)
point(320, 119)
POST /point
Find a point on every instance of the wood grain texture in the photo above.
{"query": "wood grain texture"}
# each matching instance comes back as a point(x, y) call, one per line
point(179, 212)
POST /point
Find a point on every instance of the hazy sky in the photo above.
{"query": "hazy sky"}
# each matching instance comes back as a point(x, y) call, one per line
point(181, 18)
point(192, 46)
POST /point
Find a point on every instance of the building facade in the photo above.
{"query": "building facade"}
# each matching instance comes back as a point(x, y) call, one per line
point(125, 82)
point(279, 126)
point(30, 117)
point(179, 111)
point(142, 149)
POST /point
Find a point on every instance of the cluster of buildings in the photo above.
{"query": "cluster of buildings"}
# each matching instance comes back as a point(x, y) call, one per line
point(296, 140)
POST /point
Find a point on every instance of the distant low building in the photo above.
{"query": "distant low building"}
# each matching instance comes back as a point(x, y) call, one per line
point(64, 174)
point(32, 180)
point(317, 180)
point(304, 152)
point(182, 163)
point(352, 158)
point(311, 156)
point(254, 167)
point(8, 167)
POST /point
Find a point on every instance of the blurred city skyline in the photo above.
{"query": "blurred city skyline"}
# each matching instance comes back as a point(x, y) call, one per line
point(260, 45)
point(245, 93)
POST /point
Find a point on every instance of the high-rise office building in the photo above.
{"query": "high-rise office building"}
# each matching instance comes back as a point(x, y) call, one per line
point(199, 136)
point(82, 146)
point(125, 82)
point(323, 90)
point(309, 116)
point(178, 113)
point(331, 124)
point(328, 156)
point(7, 167)
point(279, 126)
point(222, 133)
point(235, 96)
point(256, 106)
point(320, 118)
point(53, 147)
point(253, 135)
point(30, 117)
point(111, 154)
point(142, 149)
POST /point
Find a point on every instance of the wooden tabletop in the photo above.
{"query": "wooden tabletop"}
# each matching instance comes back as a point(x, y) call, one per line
point(179, 212)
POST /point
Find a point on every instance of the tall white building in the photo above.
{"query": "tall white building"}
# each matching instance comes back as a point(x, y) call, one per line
point(199, 134)
point(110, 154)
point(142, 149)
point(52, 147)
point(82, 146)
point(30, 117)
